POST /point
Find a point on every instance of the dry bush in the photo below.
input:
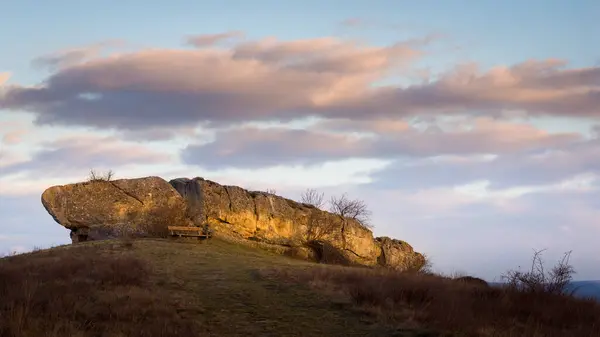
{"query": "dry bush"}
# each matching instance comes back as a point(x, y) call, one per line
point(82, 292)
point(350, 209)
point(538, 280)
point(95, 176)
point(411, 300)
point(312, 197)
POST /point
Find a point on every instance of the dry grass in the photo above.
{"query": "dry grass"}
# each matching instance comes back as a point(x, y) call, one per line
point(156, 287)
point(82, 291)
point(153, 287)
point(413, 300)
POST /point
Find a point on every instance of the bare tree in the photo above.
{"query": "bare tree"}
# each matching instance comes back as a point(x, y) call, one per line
point(94, 176)
point(312, 197)
point(537, 279)
point(271, 191)
point(347, 208)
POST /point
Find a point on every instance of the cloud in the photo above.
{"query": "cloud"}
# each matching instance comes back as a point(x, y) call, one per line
point(207, 40)
point(353, 22)
point(71, 57)
point(487, 234)
point(388, 139)
point(258, 80)
point(519, 168)
point(270, 79)
point(254, 148)
point(4, 78)
point(71, 155)
point(13, 137)
point(11, 133)
point(538, 87)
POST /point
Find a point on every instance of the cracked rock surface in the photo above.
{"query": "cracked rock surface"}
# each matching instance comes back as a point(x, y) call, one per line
point(96, 208)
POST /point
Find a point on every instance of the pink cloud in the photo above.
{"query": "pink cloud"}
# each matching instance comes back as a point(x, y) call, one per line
point(4, 77)
point(70, 57)
point(264, 79)
point(271, 79)
point(207, 40)
point(389, 139)
point(13, 137)
point(11, 133)
point(79, 153)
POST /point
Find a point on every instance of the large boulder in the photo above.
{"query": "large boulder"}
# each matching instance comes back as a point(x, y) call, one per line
point(102, 209)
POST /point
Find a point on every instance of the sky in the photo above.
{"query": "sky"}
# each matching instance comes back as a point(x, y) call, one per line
point(469, 128)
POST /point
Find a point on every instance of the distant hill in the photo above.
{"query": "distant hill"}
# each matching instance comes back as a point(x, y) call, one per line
point(584, 289)
point(587, 289)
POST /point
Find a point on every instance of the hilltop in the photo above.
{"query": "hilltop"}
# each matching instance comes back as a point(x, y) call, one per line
point(153, 287)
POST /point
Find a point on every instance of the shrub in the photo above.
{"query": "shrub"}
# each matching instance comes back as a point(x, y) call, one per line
point(538, 280)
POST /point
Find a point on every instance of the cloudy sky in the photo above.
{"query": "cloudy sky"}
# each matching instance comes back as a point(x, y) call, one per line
point(469, 127)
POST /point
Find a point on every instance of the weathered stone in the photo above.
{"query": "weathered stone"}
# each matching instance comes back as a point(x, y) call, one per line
point(398, 254)
point(100, 209)
point(106, 209)
point(237, 213)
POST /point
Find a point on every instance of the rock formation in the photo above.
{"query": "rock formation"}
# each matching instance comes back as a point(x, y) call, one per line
point(93, 209)
point(102, 209)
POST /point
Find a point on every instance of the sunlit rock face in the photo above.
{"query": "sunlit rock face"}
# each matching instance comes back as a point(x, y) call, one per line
point(105, 209)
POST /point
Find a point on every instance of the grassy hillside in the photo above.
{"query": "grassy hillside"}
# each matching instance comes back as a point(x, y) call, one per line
point(161, 288)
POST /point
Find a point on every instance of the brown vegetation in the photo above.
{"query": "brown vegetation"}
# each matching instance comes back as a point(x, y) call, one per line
point(80, 291)
point(312, 197)
point(160, 288)
point(462, 306)
point(538, 280)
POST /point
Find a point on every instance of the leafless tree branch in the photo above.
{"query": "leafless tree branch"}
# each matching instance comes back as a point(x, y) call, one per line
point(312, 197)
point(351, 209)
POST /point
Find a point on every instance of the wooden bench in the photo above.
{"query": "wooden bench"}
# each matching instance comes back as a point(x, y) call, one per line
point(189, 231)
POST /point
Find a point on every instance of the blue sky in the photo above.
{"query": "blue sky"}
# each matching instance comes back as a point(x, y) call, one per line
point(421, 185)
